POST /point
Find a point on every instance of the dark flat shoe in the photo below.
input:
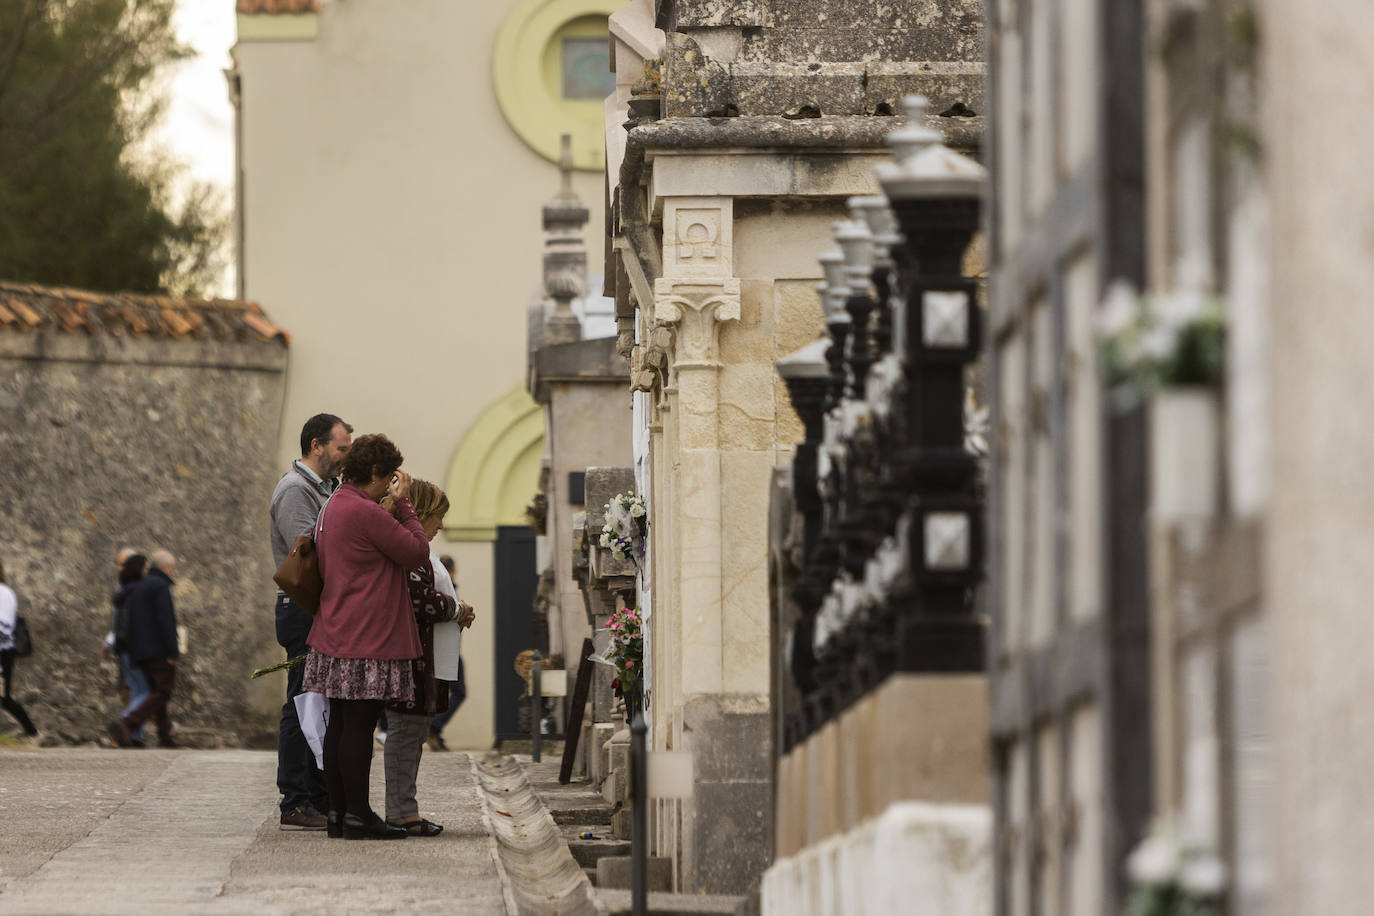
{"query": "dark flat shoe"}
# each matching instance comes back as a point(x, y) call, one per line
point(119, 734)
point(421, 827)
point(372, 828)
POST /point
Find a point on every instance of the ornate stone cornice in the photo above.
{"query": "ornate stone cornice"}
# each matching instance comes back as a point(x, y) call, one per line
point(694, 307)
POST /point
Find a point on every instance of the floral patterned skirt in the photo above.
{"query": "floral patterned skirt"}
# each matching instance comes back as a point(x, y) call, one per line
point(359, 678)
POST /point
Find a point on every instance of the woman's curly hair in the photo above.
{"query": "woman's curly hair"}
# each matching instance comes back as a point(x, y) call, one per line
point(370, 457)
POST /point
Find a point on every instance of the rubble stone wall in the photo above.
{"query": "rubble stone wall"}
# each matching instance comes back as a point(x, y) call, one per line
point(108, 442)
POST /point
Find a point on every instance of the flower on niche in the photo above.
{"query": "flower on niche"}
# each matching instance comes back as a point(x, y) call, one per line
point(1203, 876)
point(629, 663)
point(637, 510)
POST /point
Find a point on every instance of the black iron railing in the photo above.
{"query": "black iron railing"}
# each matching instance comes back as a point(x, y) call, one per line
point(889, 494)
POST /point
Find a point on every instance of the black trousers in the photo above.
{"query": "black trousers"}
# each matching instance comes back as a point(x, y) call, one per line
point(10, 704)
point(299, 780)
point(348, 754)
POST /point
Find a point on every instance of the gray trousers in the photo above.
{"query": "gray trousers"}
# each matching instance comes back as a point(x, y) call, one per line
point(405, 739)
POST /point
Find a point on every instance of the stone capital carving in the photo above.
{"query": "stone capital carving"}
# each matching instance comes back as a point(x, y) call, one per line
point(694, 309)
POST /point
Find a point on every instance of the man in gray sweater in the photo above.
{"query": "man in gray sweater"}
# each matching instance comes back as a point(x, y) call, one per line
point(296, 503)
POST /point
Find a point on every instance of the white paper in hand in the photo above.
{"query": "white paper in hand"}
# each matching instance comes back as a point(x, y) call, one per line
point(313, 711)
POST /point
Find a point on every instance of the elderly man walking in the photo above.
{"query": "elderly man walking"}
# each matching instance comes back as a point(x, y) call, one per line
point(153, 649)
point(296, 503)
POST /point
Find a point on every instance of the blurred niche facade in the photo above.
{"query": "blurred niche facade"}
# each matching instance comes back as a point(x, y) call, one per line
point(735, 138)
point(1177, 667)
point(392, 162)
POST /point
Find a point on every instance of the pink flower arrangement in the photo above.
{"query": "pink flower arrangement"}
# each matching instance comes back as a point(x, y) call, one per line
point(626, 651)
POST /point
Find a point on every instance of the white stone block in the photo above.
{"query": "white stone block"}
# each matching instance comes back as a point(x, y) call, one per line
point(915, 858)
point(1185, 454)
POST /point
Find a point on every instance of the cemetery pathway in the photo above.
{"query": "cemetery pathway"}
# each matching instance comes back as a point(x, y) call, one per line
point(104, 831)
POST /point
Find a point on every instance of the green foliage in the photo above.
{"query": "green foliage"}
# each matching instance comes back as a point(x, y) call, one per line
point(76, 207)
point(1168, 900)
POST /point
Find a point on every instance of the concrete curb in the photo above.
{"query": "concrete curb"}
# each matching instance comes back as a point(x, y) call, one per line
point(538, 871)
point(507, 891)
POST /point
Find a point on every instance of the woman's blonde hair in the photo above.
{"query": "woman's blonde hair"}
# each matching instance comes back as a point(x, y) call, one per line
point(429, 501)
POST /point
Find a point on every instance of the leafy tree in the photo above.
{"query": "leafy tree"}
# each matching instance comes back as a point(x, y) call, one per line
point(77, 206)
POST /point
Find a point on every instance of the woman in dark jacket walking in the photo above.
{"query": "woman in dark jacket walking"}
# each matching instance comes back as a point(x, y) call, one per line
point(135, 567)
point(364, 637)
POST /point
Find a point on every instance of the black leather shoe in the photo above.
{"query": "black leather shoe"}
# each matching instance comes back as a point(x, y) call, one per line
point(370, 828)
point(335, 825)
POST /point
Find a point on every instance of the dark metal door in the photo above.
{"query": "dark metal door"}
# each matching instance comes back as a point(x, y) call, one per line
point(516, 580)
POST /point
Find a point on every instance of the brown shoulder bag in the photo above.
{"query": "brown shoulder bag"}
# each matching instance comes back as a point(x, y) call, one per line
point(299, 574)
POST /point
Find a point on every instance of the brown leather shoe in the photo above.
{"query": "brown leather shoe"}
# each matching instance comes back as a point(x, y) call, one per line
point(303, 819)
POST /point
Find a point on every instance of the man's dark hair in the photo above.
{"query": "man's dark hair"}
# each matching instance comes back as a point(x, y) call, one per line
point(370, 456)
point(320, 426)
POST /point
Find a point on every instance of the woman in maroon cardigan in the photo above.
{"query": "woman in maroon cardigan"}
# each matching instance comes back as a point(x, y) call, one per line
point(364, 637)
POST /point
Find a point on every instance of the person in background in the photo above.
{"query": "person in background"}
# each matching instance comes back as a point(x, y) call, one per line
point(153, 647)
point(364, 636)
point(448, 645)
point(9, 617)
point(131, 572)
point(296, 502)
point(408, 720)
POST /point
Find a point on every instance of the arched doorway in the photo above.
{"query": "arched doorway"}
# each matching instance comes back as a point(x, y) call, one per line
point(493, 477)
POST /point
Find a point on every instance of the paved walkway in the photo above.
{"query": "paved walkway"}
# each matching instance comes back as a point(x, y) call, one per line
point(104, 831)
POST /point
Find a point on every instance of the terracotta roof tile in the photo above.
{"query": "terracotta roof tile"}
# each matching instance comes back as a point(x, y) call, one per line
point(278, 6)
point(25, 308)
point(26, 314)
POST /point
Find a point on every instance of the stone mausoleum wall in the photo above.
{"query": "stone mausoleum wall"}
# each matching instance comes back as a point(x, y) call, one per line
point(150, 423)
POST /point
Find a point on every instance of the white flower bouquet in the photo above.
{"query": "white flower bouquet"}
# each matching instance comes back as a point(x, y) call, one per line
point(626, 524)
point(1171, 877)
point(1178, 338)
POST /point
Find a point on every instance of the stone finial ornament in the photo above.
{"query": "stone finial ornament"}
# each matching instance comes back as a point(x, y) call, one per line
point(925, 166)
point(836, 285)
point(565, 253)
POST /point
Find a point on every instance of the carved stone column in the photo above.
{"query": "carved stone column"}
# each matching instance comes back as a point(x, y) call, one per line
point(692, 298)
point(695, 309)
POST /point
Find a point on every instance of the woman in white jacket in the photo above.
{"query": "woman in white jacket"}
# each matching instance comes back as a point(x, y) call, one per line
point(9, 619)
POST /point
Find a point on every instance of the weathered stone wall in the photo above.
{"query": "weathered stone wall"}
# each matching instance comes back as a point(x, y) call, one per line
point(107, 442)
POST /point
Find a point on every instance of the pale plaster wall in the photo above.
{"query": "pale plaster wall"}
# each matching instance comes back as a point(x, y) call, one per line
point(1320, 533)
point(392, 225)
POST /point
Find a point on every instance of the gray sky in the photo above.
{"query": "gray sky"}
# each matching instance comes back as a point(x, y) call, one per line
point(198, 127)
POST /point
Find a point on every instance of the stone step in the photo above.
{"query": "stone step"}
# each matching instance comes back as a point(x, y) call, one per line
point(591, 815)
point(588, 852)
point(617, 903)
point(591, 875)
point(615, 871)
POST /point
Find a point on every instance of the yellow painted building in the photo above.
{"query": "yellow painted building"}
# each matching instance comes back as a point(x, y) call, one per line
point(392, 162)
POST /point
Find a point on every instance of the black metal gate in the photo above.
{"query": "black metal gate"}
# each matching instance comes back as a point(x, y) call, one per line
point(516, 580)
